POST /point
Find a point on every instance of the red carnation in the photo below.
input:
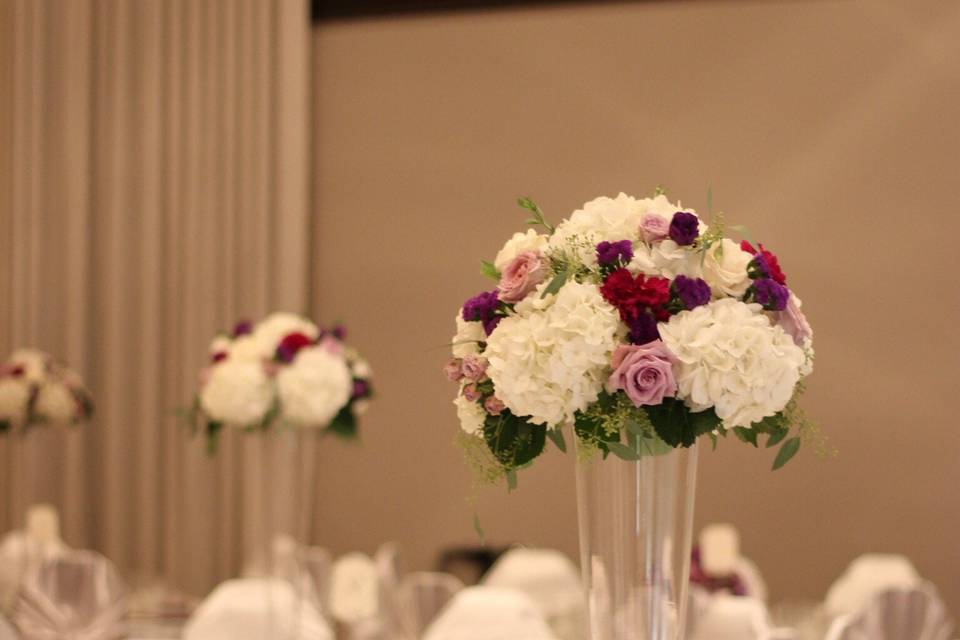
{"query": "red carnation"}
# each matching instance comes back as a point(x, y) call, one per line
point(618, 289)
point(632, 296)
point(768, 261)
point(291, 344)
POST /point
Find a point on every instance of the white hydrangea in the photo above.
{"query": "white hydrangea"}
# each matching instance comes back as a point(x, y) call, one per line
point(250, 348)
point(272, 329)
point(14, 394)
point(725, 269)
point(469, 334)
point(237, 392)
point(603, 218)
point(552, 358)
point(55, 403)
point(471, 415)
point(733, 359)
point(314, 387)
point(517, 244)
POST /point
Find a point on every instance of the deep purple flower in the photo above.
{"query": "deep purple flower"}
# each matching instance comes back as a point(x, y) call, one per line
point(242, 328)
point(758, 267)
point(339, 332)
point(360, 389)
point(692, 292)
point(613, 253)
point(684, 228)
point(481, 308)
point(643, 329)
point(771, 294)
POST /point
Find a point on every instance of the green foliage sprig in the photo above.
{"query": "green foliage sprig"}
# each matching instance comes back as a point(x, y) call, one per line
point(536, 217)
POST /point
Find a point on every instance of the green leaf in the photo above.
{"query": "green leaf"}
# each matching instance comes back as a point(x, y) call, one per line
point(511, 479)
point(558, 281)
point(776, 437)
point(660, 190)
point(634, 427)
point(213, 430)
point(528, 204)
point(489, 270)
point(513, 441)
point(746, 435)
point(556, 436)
point(677, 425)
point(714, 439)
point(344, 424)
point(479, 530)
point(622, 451)
point(653, 446)
point(787, 451)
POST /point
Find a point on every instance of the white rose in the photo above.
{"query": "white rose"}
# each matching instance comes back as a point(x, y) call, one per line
point(314, 387)
point(520, 242)
point(34, 363)
point(471, 415)
point(468, 336)
point(642, 261)
point(726, 270)
point(671, 260)
point(14, 395)
point(275, 327)
point(550, 359)
point(237, 393)
point(360, 407)
point(360, 368)
point(55, 403)
point(733, 359)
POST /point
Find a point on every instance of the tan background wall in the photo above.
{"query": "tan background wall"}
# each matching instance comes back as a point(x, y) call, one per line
point(828, 128)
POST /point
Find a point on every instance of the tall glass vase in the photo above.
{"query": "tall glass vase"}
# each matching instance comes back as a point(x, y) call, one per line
point(636, 522)
point(281, 463)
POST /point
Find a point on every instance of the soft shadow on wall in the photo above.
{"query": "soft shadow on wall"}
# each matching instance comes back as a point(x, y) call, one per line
point(826, 128)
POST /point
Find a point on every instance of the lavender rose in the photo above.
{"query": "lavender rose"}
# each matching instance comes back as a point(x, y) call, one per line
point(473, 368)
point(684, 228)
point(645, 373)
point(654, 228)
point(472, 393)
point(453, 370)
point(494, 405)
point(794, 322)
point(522, 276)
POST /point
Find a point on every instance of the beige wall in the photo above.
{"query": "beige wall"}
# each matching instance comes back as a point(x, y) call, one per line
point(828, 128)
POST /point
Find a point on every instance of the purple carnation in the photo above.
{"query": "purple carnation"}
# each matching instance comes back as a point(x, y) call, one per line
point(361, 388)
point(758, 267)
point(612, 253)
point(770, 294)
point(339, 332)
point(643, 329)
point(684, 228)
point(692, 292)
point(242, 328)
point(482, 308)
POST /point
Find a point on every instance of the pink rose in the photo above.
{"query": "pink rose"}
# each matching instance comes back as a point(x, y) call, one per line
point(654, 227)
point(522, 276)
point(474, 368)
point(331, 345)
point(793, 321)
point(644, 372)
point(471, 393)
point(452, 370)
point(494, 405)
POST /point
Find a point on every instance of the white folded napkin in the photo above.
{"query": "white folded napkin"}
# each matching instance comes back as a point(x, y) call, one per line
point(866, 577)
point(551, 580)
point(255, 609)
point(490, 613)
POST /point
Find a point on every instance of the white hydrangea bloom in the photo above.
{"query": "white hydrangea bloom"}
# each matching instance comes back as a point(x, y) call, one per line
point(603, 218)
point(55, 403)
point(249, 348)
point(552, 358)
point(517, 244)
point(314, 387)
point(237, 392)
point(469, 334)
point(733, 359)
point(272, 329)
point(471, 415)
point(725, 269)
point(14, 394)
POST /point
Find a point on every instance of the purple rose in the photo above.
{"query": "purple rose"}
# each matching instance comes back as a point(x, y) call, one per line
point(793, 321)
point(613, 253)
point(453, 371)
point(645, 373)
point(473, 368)
point(770, 294)
point(522, 276)
point(494, 405)
point(684, 228)
point(482, 308)
point(654, 228)
point(643, 329)
point(691, 292)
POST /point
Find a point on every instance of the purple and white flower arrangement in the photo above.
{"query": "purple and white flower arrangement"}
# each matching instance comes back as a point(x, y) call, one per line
point(37, 389)
point(284, 371)
point(640, 324)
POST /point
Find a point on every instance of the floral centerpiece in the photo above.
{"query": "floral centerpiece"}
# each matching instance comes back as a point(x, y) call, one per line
point(284, 371)
point(37, 389)
point(639, 323)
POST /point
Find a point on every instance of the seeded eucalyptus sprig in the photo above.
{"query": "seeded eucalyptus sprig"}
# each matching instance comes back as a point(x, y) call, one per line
point(536, 217)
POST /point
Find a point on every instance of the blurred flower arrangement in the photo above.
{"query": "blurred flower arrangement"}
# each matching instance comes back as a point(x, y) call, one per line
point(283, 372)
point(37, 389)
point(639, 323)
